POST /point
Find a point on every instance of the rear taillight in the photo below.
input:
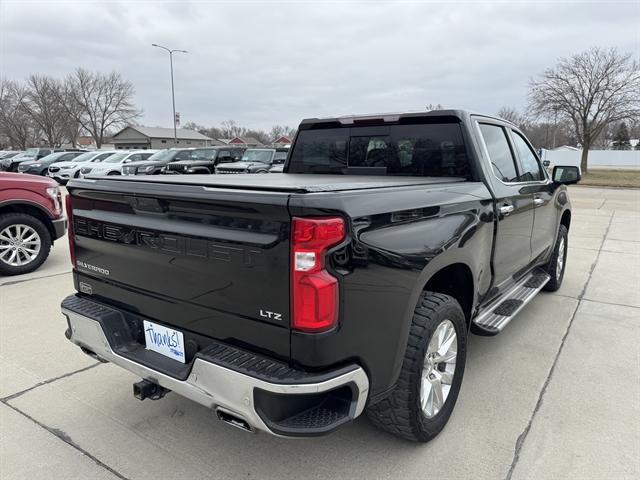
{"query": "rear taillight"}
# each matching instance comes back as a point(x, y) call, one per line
point(72, 240)
point(314, 291)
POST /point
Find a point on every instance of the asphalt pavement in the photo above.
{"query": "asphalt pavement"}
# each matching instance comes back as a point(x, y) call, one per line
point(556, 395)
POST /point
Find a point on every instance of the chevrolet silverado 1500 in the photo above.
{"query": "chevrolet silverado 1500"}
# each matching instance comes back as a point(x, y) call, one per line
point(293, 303)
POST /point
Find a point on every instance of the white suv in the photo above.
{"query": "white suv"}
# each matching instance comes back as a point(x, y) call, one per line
point(65, 171)
point(113, 165)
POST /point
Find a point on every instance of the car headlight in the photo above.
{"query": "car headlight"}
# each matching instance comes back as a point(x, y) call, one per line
point(36, 164)
point(85, 170)
point(54, 193)
point(64, 168)
point(146, 169)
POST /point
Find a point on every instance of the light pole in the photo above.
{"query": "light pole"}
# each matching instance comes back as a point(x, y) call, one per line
point(173, 96)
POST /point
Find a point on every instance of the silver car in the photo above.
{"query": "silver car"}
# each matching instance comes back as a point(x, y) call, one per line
point(65, 171)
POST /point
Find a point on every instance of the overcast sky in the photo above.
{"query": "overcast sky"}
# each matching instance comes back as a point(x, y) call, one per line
point(265, 63)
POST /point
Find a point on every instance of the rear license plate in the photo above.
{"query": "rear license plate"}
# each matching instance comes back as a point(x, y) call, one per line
point(166, 341)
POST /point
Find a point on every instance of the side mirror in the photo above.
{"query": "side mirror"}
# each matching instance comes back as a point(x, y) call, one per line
point(566, 175)
point(546, 163)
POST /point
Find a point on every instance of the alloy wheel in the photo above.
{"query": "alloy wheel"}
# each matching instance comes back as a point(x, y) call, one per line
point(560, 259)
point(19, 245)
point(439, 368)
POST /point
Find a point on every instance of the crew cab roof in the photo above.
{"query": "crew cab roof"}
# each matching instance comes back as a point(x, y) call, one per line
point(457, 115)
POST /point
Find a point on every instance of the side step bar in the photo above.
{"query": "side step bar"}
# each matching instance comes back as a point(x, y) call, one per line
point(496, 316)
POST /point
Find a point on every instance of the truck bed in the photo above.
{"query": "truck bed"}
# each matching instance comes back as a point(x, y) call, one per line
point(287, 182)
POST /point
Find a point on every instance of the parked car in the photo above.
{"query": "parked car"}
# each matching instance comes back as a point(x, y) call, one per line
point(63, 171)
point(254, 160)
point(113, 164)
point(157, 162)
point(30, 154)
point(31, 219)
point(9, 153)
point(41, 167)
point(293, 303)
point(278, 162)
point(205, 160)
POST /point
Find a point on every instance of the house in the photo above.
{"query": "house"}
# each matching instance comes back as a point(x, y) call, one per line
point(135, 137)
point(281, 142)
point(246, 142)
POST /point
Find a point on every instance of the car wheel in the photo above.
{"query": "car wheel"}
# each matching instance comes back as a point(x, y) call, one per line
point(558, 262)
point(113, 173)
point(421, 403)
point(24, 243)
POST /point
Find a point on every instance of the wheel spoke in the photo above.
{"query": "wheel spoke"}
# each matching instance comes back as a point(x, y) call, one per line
point(438, 397)
point(5, 254)
point(446, 378)
point(13, 256)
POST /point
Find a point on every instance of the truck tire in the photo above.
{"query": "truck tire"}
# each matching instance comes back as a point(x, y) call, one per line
point(421, 403)
point(558, 262)
point(24, 243)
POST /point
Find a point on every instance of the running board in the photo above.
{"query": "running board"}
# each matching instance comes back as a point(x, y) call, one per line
point(497, 315)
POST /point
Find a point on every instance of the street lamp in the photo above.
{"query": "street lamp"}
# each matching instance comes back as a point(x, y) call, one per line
point(173, 97)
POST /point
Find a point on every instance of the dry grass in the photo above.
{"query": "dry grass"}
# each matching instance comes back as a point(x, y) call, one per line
point(612, 178)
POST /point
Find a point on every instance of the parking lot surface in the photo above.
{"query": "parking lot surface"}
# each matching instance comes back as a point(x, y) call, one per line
point(556, 395)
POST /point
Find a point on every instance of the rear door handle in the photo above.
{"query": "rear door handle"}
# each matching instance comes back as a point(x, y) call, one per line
point(506, 209)
point(538, 201)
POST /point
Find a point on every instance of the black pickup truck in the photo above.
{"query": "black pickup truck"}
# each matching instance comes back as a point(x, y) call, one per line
point(292, 303)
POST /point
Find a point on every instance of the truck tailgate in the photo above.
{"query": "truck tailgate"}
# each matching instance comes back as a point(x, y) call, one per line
point(214, 262)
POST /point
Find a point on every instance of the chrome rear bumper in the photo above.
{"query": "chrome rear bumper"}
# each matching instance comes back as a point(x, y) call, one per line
point(223, 389)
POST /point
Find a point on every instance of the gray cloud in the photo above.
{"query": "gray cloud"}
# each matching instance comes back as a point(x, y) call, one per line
point(263, 63)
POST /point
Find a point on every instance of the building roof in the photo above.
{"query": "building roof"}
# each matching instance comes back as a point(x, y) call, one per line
point(282, 139)
point(158, 132)
point(246, 140)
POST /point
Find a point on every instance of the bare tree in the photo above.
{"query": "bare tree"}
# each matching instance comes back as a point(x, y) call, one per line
point(278, 131)
point(99, 102)
point(512, 115)
point(230, 129)
point(45, 110)
point(592, 89)
point(15, 121)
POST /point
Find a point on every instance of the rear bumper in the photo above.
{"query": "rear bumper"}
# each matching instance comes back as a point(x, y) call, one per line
point(269, 396)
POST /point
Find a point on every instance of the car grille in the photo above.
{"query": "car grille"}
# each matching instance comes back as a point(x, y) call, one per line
point(176, 168)
point(23, 168)
point(129, 170)
point(54, 169)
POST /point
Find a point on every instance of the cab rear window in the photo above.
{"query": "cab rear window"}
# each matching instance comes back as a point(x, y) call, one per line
point(429, 150)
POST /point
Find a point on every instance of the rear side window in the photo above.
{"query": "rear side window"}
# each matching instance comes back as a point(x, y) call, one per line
point(531, 170)
point(502, 162)
point(204, 154)
point(409, 150)
point(182, 155)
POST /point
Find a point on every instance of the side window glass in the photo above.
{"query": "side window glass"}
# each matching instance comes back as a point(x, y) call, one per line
point(531, 170)
point(502, 163)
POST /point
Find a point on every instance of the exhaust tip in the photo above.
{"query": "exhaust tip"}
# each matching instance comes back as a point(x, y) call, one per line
point(233, 420)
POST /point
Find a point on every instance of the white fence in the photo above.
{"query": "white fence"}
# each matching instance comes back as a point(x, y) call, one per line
point(597, 158)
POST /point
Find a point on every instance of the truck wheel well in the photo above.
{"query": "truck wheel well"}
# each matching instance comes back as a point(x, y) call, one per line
point(456, 281)
point(29, 210)
point(566, 219)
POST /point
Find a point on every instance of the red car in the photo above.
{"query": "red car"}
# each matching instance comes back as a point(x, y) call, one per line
point(31, 218)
